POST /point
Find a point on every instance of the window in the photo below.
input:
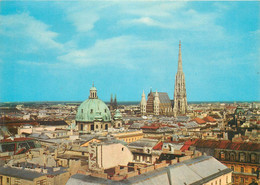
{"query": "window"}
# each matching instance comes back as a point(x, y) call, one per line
point(242, 169)
point(220, 181)
point(7, 179)
point(226, 179)
point(96, 126)
point(105, 110)
point(81, 110)
point(242, 180)
point(232, 157)
point(222, 155)
point(91, 110)
point(81, 127)
point(232, 168)
point(253, 158)
point(242, 157)
point(253, 170)
point(122, 149)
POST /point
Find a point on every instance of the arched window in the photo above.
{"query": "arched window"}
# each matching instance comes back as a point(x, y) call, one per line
point(232, 157)
point(222, 155)
point(253, 158)
point(81, 127)
point(242, 157)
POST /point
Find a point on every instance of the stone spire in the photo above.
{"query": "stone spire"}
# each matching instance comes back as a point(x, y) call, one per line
point(143, 104)
point(115, 102)
point(180, 58)
point(180, 97)
point(156, 103)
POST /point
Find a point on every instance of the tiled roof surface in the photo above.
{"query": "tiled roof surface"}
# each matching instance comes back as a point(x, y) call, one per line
point(15, 140)
point(209, 119)
point(158, 146)
point(225, 144)
point(163, 97)
point(150, 127)
point(199, 121)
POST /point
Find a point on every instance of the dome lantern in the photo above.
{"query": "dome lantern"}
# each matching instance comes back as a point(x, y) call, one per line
point(93, 92)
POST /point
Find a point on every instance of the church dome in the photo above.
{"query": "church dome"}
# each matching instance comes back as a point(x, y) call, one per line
point(93, 109)
point(117, 115)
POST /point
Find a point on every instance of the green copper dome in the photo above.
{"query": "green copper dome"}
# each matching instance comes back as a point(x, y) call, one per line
point(117, 114)
point(93, 109)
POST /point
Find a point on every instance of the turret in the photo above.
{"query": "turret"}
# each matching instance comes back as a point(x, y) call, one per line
point(93, 92)
point(156, 103)
point(143, 104)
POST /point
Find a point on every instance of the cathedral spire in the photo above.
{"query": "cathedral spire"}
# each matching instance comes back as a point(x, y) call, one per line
point(180, 97)
point(180, 58)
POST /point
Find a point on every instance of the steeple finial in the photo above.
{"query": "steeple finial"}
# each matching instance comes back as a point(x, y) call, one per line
point(180, 58)
point(93, 84)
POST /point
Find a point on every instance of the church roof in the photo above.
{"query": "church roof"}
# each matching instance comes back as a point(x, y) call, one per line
point(163, 97)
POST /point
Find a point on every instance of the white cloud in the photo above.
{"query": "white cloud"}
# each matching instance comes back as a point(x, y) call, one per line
point(124, 51)
point(83, 21)
point(26, 34)
point(174, 15)
point(83, 15)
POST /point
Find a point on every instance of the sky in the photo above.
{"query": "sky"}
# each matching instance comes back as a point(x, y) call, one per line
point(55, 50)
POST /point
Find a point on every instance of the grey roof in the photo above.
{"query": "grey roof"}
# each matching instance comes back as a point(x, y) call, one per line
point(163, 97)
point(23, 173)
point(19, 173)
point(144, 143)
point(194, 171)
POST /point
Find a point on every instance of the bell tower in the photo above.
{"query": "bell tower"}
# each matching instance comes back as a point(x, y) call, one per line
point(180, 97)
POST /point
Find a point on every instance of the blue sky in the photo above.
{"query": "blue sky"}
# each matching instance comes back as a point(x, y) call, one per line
point(54, 50)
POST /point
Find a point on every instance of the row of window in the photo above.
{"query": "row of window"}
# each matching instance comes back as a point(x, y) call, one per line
point(218, 182)
point(242, 169)
point(131, 139)
point(92, 127)
point(91, 111)
point(242, 157)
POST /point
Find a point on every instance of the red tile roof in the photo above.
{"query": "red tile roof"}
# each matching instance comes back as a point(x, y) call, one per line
point(158, 146)
point(150, 127)
point(187, 144)
point(209, 119)
point(15, 140)
point(199, 121)
point(225, 144)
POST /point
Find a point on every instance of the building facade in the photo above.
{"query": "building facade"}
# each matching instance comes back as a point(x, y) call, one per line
point(158, 103)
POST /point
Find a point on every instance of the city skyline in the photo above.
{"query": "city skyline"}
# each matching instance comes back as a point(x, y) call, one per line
point(53, 51)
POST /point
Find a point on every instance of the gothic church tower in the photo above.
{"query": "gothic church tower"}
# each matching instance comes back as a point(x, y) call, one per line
point(143, 104)
point(180, 97)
